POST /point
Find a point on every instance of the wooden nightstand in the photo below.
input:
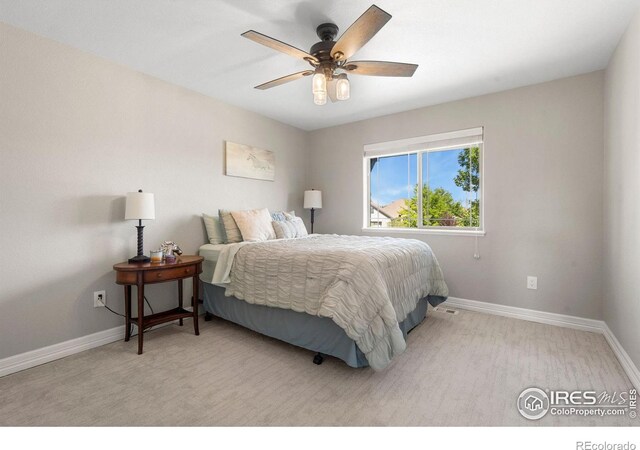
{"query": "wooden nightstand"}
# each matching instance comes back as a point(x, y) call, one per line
point(147, 273)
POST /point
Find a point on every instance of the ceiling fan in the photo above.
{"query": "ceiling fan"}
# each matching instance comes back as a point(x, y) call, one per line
point(330, 58)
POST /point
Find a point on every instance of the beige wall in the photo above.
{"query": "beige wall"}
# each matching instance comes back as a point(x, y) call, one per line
point(76, 134)
point(622, 192)
point(543, 191)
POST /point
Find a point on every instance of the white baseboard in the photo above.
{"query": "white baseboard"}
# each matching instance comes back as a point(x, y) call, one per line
point(561, 320)
point(43, 355)
point(625, 361)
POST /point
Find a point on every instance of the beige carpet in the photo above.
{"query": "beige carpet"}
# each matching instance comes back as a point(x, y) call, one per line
point(465, 369)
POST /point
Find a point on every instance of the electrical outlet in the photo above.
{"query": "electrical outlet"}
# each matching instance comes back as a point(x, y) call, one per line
point(99, 299)
point(532, 282)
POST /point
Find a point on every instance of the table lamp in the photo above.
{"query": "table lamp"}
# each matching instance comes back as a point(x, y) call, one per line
point(140, 206)
point(313, 201)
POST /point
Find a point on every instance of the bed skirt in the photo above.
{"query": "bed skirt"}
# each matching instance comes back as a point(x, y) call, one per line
point(318, 334)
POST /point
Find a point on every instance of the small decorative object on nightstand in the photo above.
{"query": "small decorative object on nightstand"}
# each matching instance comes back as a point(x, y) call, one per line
point(170, 248)
point(313, 201)
point(141, 274)
point(139, 207)
point(156, 256)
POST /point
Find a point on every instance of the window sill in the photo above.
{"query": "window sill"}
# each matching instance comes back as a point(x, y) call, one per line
point(424, 231)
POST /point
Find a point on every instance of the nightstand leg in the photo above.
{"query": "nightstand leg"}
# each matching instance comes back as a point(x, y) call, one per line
point(196, 295)
point(140, 316)
point(127, 312)
point(180, 297)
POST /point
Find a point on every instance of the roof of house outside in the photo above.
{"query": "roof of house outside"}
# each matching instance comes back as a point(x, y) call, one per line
point(392, 210)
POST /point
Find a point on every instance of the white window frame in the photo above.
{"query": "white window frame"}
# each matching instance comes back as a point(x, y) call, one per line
point(430, 143)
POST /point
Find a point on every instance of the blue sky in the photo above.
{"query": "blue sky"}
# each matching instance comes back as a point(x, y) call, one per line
point(394, 177)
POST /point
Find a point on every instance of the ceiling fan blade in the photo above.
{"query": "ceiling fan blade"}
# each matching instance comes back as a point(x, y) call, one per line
point(278, 45)
point(359, 33)
point(285, 79)
point(380, 68)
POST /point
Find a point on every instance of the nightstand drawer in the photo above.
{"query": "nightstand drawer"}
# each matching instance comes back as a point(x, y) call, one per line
point(152, 276)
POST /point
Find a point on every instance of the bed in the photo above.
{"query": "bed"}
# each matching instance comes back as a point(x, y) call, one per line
point(352, 297)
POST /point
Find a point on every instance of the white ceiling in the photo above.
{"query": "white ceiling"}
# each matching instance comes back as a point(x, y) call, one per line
point(464, 47)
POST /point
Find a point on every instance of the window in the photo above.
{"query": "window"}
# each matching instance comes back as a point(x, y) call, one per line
point(426, 183)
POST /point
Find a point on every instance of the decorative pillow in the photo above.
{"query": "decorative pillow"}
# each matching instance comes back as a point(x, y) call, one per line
point(214, 229)
point(254, 224)
point(285, 229)
point(301, 230)
point(289, 215)
point(231, 230)
point(279, 216)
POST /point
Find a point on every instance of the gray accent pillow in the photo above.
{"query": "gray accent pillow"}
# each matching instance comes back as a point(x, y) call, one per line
point(215, 231)
point(285, 229)
point(231, 230)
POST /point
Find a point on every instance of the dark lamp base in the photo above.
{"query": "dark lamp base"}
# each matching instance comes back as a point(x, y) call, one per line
point(139, 259)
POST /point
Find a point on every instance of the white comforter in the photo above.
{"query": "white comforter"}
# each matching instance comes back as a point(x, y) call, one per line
point(366, 285)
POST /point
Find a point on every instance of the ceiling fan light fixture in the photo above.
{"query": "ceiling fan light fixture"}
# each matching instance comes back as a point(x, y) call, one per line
point(319, 84)
point(320, 98)
point(342, 87)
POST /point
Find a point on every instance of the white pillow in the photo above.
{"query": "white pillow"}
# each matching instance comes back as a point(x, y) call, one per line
point(214, 229)
point(279, 216)
point(255, 224)
point(301, 230)
point(285, 229)
point(293, 228)
point(231, 230)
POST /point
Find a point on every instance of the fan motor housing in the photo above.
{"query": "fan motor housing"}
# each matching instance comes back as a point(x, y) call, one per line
point(322, 50)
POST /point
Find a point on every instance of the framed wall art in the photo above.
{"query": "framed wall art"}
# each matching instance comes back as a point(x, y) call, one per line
point(249, 162)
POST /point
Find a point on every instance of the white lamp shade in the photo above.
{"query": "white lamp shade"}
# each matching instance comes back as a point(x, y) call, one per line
point(313, 199)
point(140, 206)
